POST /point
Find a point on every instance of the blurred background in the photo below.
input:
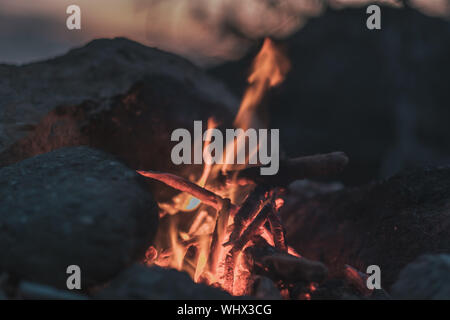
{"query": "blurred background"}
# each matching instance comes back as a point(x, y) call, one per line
point(381, 96)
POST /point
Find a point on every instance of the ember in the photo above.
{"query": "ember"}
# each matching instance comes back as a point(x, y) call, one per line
point(225, 228)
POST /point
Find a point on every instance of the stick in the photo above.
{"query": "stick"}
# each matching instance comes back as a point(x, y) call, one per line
point(184, 185)
point(218, 235)
point(277, 231)
point(253, 228)
point(317, 166)
point(248, 211)
point(239, 244)
point(357, 279)
point(278, 265)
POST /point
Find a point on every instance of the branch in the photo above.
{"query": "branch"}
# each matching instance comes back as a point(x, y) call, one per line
point(184, 185)
point(317, 166)
point(278, 265)
point(248, 211)
point(239, 244)
point(218, 235)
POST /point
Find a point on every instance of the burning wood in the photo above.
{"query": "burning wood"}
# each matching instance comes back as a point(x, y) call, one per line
point(181, 184)
point(219, 235)
point(226, 252)
point(249, 209)
point(249, 223)
point(277, 231)
point(239, 244)
point(357, 279)
point(278, 265)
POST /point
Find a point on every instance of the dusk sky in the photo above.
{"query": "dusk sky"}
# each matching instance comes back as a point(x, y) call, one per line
point(35, 30)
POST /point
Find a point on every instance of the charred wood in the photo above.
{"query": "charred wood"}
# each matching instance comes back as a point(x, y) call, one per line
point(310, 167)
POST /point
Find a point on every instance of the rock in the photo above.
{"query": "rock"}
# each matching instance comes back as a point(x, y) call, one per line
point(389, 223)
point(73, 206)
point(379, 96)
point(96, 73)
point(134, 127)
point(155, 283)
point(264, 288)
point(428, 277)
point(33, 291)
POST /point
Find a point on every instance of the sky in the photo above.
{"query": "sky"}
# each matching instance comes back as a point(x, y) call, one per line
point(205, 31)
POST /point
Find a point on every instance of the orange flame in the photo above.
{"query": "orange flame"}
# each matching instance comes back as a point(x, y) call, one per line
point(269, 69)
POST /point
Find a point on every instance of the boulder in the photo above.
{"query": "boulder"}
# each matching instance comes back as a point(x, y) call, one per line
point(73, 206)
point(389, 223)
point(428, 277)
point(54, 103)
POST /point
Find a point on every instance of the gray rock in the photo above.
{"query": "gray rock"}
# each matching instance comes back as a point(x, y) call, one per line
point(133, 127)
point(428, 277)
point(73, 206)
point(155, 283)
point(389, 223)
point(265, 289)
point(98, 71)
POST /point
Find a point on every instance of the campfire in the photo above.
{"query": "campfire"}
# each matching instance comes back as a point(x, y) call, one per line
point(225, 229)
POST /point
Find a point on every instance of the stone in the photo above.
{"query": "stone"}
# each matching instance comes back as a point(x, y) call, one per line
point(427, 277)
point(388, 223)
point(73, 206)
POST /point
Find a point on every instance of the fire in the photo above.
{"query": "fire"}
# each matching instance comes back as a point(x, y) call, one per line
point(269, 69)
point(193, 241)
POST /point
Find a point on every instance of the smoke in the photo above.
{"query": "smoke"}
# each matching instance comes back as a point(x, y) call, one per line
point(209, 31)
point(205, 31)
point(222, 29)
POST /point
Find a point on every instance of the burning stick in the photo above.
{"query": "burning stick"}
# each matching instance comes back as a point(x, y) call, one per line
point(249, 209)
point(317, 166)
point(181, 184)
point(253, 228)
point(279, 265)
point(357, 279)
point(239, 244)
point(277, 231)
point(218, 235)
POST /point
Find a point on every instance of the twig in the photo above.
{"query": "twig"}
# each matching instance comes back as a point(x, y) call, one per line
point(218, 235)
point(239, 244)
point(278, 265)
point(357, 279)
point(277, 231)
point(204, 195)
point(248, 211)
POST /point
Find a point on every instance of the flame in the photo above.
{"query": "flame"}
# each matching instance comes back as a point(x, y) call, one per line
point(269, 69)
point(190, 243)
point(186, 201)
